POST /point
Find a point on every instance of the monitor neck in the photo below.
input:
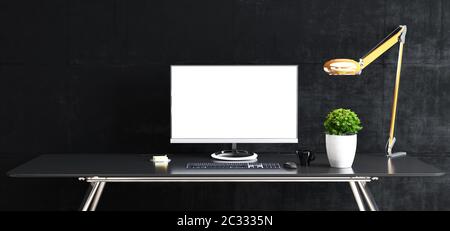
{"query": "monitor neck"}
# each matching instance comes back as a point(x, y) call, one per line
point(234, 148)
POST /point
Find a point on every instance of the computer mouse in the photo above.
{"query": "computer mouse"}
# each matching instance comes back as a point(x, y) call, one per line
point(290, 165)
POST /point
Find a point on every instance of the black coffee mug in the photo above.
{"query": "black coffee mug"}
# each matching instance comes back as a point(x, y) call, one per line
point(306, 156)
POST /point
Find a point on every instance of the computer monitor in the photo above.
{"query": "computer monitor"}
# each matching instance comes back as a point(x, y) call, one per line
point(234, 104)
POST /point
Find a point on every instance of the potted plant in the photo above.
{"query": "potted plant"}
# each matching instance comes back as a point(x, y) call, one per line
point(342, 127)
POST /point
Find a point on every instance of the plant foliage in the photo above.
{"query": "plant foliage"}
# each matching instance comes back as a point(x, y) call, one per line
point(342, 122)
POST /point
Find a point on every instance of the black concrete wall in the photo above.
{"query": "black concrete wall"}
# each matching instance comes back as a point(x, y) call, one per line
point(93, 76)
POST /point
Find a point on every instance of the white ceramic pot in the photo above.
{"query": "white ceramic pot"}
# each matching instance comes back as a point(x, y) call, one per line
point(341, 150)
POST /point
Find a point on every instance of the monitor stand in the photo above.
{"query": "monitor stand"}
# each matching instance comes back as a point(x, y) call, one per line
point(234, 154)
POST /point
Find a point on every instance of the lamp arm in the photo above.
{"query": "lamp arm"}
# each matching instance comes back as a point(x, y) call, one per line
point(398, 35)
point(391, 140)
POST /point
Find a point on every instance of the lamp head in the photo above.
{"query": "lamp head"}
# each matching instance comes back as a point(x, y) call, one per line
point(342, 67)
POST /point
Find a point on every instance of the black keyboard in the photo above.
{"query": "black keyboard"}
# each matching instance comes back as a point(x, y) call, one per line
point(240, 165)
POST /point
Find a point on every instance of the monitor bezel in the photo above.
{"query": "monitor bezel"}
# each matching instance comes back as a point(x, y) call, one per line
point(234, 140)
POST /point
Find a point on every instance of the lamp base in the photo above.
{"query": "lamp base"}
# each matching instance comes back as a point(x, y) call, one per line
point(389, 150)
point(396, 155)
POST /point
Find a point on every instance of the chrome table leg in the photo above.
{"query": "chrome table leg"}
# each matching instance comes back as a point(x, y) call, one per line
point(90, 194)
point(368, 196)
point(357, 195)
point(97, 196)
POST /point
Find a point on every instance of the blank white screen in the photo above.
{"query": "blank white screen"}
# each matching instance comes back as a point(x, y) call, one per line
point(229, 104)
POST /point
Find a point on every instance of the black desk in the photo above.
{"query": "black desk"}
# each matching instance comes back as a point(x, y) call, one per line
point(98, 169)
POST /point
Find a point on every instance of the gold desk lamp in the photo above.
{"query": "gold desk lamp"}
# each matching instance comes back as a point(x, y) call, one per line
point(351, 67)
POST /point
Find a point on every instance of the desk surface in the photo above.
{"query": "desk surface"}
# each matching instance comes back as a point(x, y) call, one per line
point(139, 165)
